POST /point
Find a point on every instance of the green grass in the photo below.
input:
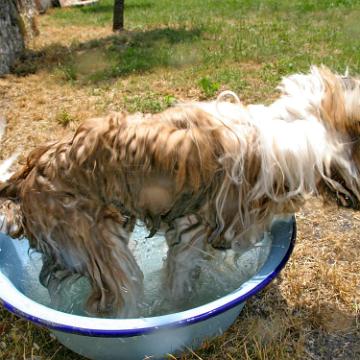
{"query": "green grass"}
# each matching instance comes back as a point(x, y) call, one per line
point(211, 39)
point(208, 87)
point(63, 118)
point(150, 103)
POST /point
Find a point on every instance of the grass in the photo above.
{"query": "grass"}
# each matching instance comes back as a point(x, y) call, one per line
point(207, 39)
point(208, 87)
point(64, 118)
point(183, 50)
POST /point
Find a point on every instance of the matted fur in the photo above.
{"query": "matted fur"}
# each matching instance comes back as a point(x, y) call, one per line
point(216, 172)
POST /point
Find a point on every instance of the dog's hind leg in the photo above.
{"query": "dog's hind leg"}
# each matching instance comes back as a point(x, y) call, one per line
point(187, 241)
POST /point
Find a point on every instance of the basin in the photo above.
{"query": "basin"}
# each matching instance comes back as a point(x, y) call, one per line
point(137, 338)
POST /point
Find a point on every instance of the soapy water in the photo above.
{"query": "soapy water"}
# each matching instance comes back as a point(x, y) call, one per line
point(222, 272)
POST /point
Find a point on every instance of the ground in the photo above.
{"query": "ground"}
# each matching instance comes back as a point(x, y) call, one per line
point(182, 50)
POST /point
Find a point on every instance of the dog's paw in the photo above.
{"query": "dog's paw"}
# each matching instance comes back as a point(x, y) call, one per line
point(182, 284)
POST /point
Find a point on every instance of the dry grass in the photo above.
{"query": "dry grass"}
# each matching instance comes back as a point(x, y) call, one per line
point(310, 312)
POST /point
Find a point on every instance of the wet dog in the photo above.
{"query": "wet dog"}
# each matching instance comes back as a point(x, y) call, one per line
point(206, 173)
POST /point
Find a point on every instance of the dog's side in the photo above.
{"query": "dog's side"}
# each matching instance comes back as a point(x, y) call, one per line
point(202, 172)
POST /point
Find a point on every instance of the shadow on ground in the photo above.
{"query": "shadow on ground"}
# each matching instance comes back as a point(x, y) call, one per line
point(113, 56)
point(320, 330)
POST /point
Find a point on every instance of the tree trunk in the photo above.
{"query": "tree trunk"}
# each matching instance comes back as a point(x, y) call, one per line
point(118, 20)
point(28, 11)
point(11, 35)
point(17, 24)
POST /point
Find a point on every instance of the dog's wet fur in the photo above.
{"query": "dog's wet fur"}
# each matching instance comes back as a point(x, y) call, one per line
point(206, 173)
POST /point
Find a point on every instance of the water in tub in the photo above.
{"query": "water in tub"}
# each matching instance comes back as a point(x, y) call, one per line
point(221, 273)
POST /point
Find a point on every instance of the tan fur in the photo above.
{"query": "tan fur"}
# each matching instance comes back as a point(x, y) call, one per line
point(333, 106)
point(190, 171)
point(76, 195)
point(343, 121)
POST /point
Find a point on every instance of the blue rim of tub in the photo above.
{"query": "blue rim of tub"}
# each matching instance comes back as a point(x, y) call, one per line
point(142, 329)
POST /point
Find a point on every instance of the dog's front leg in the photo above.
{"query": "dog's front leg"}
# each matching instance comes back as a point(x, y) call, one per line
point(187, 241)
point(91, 241)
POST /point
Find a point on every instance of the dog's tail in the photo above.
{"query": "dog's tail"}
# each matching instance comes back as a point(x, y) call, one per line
point(10, 215)
point(6, 190)
point(6, 165)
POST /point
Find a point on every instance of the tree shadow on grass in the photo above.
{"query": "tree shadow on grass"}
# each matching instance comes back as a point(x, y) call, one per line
point(114, 56)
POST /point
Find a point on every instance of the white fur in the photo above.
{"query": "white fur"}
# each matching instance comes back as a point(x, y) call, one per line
point(5, 166)
point(292, 140)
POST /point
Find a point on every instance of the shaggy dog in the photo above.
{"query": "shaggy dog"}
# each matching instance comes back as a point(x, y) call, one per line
point(204, 173)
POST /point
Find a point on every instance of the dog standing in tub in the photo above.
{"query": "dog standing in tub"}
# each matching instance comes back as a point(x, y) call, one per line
point(206, 173)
